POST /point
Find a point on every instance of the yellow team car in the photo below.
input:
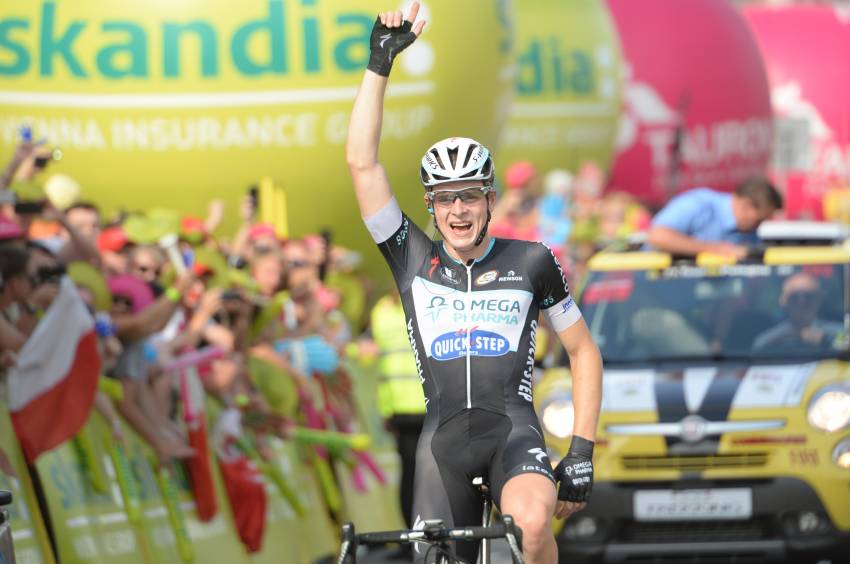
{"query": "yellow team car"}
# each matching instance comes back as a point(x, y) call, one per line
point(725, 426)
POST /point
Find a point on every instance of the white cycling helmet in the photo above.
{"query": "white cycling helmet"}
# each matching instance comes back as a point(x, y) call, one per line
point(456, 158)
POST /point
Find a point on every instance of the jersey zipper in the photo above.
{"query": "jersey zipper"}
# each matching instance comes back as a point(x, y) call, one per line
point(467, 306)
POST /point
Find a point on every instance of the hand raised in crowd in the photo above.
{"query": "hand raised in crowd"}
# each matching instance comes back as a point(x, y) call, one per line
point(168, 450)
point(8, 358)
point(26, 146)
point(184, 282)
point(211, 302)
point(43, 295)
point(247, 210)
point(215, 215)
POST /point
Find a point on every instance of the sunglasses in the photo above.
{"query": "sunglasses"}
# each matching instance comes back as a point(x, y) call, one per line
point(446, 198)
point(144, 269)
point(298, 264)
point(118, 299)
point(803, 298)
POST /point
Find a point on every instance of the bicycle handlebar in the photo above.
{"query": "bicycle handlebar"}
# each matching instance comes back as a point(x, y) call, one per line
point(435, 533)
point(444, 533)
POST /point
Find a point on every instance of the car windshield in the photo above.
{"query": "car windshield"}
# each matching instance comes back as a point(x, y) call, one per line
point(731, 312)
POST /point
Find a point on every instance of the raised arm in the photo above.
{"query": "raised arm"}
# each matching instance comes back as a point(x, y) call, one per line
point(390, 36)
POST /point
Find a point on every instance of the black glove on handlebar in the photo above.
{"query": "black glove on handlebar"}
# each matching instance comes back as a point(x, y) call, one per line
point(575, 471)
point(386, 43)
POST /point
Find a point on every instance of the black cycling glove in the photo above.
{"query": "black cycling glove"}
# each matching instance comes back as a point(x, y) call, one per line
point(575, 471)
point(386, 43)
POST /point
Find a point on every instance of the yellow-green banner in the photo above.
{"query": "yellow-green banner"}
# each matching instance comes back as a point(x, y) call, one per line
point(91, 524)
point(163, 103)
point(568, 85)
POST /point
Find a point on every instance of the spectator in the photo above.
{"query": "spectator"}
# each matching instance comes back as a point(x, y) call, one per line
point(112, 243)
point(555, 209)
point(515, 214)
point(707, 220)
point(146, 263)
point(802, 331)
point(137, 316)
point(16, 290)
point(27, 290)
point(303, 284)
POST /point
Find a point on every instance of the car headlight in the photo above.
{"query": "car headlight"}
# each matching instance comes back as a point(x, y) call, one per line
point(558, 416)
point(829, 409)
point(841, 454)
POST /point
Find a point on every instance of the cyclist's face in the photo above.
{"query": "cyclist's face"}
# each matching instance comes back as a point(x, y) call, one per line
point(460, 212)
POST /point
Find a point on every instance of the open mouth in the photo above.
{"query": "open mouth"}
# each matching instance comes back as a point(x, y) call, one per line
point(460, 228)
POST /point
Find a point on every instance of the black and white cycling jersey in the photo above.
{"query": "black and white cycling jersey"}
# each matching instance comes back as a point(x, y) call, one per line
point(473, 327)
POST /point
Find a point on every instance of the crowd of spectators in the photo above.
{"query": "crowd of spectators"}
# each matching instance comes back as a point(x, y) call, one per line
point(162, 287)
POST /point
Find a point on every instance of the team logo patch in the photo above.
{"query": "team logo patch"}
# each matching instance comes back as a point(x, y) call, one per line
point(435, 262)
point(510, 277)
point(449, 275)
point(449, 346)
point(487, 277)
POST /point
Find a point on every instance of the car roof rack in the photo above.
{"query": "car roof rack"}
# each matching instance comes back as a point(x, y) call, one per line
point(802, 233)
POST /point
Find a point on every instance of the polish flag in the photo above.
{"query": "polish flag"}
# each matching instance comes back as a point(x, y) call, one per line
point(53, 383)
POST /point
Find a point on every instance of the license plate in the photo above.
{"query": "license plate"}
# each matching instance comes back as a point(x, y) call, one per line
point(693, 505)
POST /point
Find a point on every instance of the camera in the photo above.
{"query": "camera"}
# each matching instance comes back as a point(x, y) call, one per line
point(29, 208)
point(49, 274)
point(231, 296)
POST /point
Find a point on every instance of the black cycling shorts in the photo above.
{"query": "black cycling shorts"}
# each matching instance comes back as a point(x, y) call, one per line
point(473, 443)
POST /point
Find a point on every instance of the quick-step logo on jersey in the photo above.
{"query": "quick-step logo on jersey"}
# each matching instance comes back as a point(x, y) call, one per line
point(481, 343)
point(495, 319)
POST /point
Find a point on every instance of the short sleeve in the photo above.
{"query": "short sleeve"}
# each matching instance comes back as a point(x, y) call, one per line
point(680, 212)
point(550, 287)
point(401, 242)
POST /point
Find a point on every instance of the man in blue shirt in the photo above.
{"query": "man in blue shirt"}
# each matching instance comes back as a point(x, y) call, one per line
point(707, 220)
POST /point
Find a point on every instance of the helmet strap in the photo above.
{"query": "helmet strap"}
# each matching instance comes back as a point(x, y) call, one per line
point(481, 235)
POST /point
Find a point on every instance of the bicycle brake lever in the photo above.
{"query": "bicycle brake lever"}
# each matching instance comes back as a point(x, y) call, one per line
point(513, 536)
point(348, 545)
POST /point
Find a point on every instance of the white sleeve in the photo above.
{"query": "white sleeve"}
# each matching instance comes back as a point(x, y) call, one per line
point(385, 222)
point(563, 314)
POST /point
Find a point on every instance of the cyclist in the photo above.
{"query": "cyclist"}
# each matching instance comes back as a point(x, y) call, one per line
point(472, 304)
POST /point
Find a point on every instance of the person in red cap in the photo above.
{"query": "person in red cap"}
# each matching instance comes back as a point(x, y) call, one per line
point(515, 215)
point(112, 244)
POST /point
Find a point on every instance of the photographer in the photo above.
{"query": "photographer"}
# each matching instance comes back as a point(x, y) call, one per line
point(30, 282)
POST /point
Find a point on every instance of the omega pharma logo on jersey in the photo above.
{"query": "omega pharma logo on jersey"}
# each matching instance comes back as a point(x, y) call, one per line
point(484, 323)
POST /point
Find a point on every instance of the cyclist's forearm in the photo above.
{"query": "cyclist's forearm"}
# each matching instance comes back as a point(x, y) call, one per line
point(586, 369)
point(364, 130)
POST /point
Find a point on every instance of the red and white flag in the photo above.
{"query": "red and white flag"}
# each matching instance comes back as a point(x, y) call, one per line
point(53, 383)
